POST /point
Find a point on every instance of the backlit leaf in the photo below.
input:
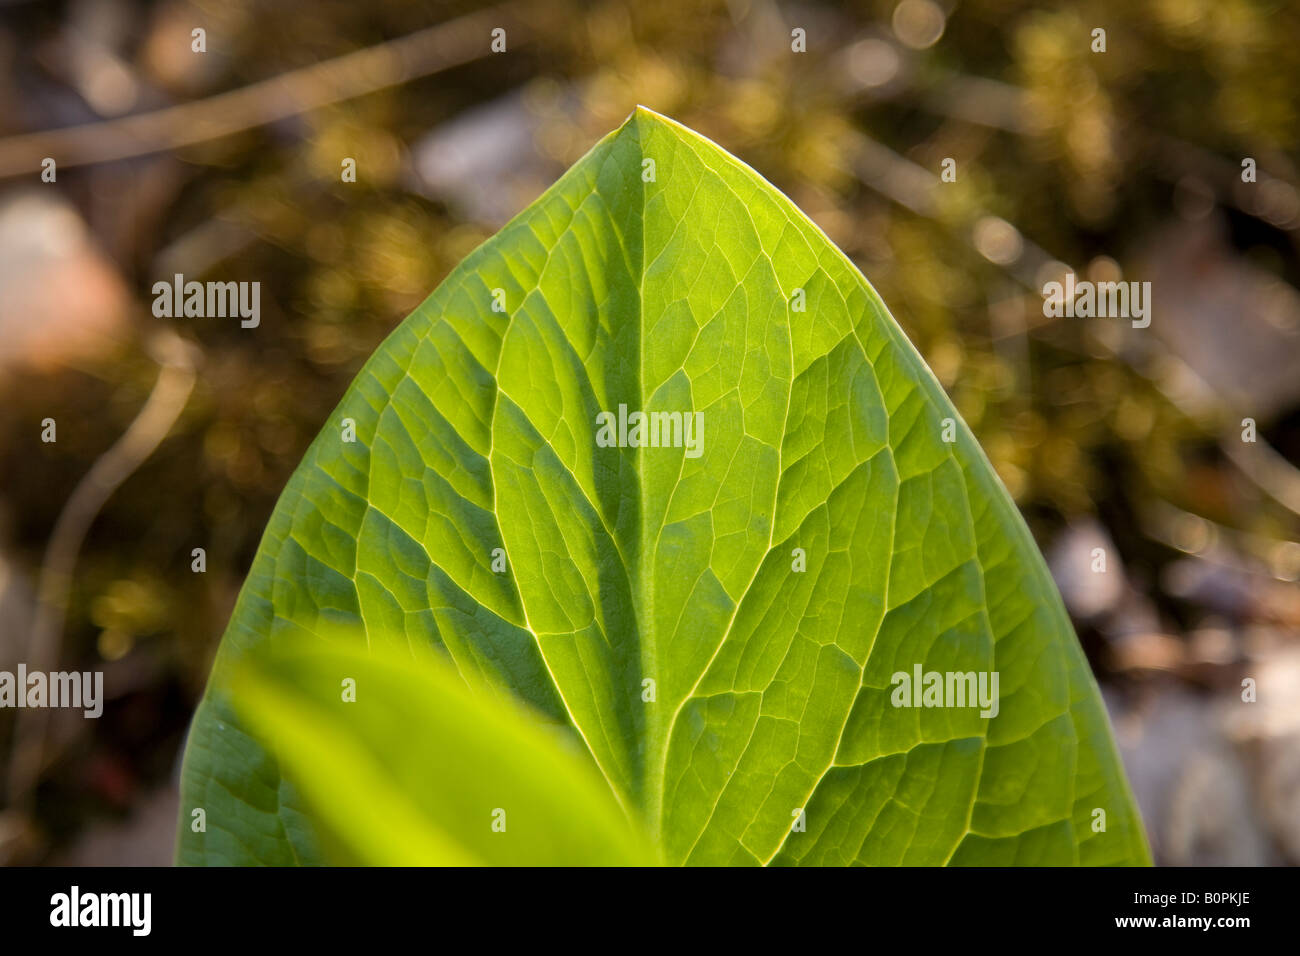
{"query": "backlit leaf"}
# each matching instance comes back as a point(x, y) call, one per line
point(718, 621)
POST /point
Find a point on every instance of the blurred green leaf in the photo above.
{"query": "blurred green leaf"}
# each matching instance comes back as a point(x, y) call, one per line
point(403, 765)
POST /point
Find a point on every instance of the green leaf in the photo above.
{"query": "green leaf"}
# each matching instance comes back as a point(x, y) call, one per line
point(342, 719)
point(662, 275)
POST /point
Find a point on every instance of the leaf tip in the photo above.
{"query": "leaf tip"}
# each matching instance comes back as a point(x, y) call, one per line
point(641, 112)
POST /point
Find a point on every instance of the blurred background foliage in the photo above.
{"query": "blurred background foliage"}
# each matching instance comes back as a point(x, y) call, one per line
point(1118, 164)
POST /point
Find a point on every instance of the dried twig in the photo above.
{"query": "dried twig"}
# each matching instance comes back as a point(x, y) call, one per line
point(915, 188)
point(345, 77)
point(150, 427)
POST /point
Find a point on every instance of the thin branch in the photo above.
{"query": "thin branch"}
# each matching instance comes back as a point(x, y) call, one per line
point(1265, 467)
point(915, 188)
point(149, 428)
point(422, 53)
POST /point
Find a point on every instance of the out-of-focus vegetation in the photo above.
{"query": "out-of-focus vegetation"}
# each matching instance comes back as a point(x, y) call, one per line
point(1123, 164)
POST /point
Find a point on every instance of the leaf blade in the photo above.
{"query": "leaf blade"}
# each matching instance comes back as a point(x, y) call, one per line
point(822, 431)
